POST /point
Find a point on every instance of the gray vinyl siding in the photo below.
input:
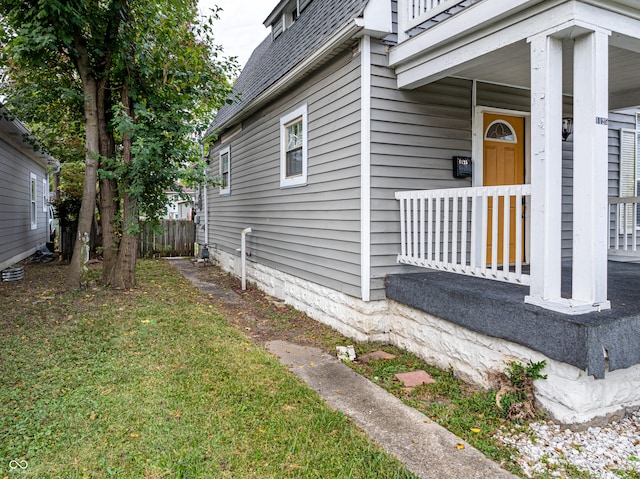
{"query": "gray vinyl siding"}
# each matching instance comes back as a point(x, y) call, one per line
point(16, 236)
point(414, 135)
point(312, 231)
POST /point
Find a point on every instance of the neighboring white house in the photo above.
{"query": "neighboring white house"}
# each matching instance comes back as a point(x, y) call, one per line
point(392, 157)
point(180, 207)
point(24, 193)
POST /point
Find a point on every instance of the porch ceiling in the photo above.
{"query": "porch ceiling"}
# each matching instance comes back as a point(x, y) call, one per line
point(499, 52)
point(511, 66)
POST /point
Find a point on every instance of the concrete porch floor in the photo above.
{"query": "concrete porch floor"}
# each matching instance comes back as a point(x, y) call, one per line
point(498, 309)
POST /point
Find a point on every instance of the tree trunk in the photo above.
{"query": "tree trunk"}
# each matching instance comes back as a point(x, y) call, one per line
point(125, 272)
point(110, 245)
point(124, 275)
point(78, 268)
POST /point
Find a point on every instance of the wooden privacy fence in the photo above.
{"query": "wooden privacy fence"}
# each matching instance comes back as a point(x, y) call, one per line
point(171, 238)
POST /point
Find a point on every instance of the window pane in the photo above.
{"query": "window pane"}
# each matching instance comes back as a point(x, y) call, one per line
point(294, 162)
point(224, 170)
point(294, 135)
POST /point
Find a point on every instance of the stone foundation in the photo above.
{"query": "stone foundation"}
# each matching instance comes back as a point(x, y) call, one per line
point(569, 395)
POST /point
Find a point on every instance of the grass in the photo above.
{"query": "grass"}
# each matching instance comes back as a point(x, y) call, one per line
point(155, 383)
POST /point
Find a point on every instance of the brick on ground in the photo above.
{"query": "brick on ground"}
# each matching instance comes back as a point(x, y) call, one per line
point(376, 355)
point(415, 378)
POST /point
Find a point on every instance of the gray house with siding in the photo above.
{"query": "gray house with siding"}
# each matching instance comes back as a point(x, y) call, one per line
point(24, 193)
point(454, 177)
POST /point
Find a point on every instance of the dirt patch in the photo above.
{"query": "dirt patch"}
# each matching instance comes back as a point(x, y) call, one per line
point(263, 318)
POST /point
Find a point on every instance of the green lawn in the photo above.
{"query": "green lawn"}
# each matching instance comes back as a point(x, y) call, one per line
point(155, 383)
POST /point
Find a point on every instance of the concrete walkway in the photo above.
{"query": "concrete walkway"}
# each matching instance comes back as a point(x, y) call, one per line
point(427, 449)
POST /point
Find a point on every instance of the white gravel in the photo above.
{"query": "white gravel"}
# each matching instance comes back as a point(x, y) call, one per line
point(605, 452)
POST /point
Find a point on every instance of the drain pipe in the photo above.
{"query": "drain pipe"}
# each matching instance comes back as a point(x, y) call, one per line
point(243, 254)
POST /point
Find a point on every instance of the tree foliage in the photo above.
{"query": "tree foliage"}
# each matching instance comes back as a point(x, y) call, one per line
point(138, 79)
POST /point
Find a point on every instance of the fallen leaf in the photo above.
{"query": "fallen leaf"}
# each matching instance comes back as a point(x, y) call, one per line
point(145, 321)
point(475, 429)
point(459, 446)
point(134, 435)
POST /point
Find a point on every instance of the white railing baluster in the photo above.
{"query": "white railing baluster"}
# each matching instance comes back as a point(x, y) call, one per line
point(506, 234)
point(445, 231)
point(422, 237)
point(634, 229)
point(495, 214)
point(484, 231)
point(463, 234)
point(454, 234)
point(416, 249)
point(413, 13)
point(474, 234)
point(403, 230)
point(518, 255)
point(437, 258)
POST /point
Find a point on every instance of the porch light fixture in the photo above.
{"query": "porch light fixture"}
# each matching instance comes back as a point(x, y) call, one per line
point(567, 128)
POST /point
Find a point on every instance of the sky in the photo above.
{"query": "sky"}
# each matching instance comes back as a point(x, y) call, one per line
point(240, 29)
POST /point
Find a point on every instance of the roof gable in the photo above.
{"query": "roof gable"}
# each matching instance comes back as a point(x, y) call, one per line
point(274, 58)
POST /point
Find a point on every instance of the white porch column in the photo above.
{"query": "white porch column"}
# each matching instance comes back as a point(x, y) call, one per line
point(590, 173)
point(546, 170)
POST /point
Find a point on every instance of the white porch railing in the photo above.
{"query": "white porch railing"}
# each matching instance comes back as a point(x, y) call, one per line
point(623, 234)
point(449, 230)
point(412, 13)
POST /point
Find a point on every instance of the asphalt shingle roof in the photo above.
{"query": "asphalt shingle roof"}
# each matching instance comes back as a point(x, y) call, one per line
point(273, 59)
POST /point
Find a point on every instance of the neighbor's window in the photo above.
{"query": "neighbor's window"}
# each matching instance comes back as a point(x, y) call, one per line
point(32, 197)
point(225, 171)
point(293, 148)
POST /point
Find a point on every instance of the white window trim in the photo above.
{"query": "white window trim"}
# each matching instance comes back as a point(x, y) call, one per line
point(299, 180)
point(227, 190)
point(33, 194)
point(45, 195)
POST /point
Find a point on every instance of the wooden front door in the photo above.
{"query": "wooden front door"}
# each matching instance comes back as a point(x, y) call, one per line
point(503, 164)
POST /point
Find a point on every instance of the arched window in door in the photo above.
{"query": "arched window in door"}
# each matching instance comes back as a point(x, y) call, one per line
point(500, 130)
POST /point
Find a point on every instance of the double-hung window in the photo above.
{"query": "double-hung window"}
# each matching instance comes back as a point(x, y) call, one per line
point(33, 211)
point(225, 171)
point(293, 148)
point(630, 169)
